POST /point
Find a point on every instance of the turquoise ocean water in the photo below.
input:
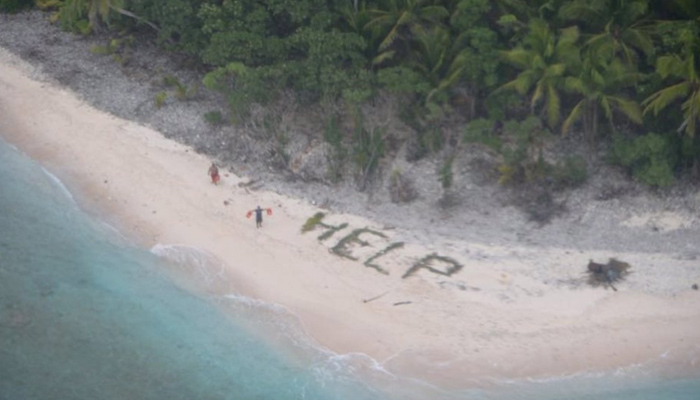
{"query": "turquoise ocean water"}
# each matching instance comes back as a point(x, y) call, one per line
point(86, 314)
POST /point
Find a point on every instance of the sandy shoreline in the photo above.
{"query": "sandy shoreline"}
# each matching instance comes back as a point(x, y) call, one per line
point(508, 312)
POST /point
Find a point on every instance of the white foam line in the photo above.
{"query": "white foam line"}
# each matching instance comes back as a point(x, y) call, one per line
point(60, 184)
point(205, 264)
point(258, 303)
point(13, 147)
point(331, 357)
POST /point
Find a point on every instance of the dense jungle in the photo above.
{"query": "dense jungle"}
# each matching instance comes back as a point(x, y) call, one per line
point(617, 81)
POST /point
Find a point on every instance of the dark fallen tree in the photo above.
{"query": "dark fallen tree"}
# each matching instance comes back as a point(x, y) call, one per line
point(607, 274)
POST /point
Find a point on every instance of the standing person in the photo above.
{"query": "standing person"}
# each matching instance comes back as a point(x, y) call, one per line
point(214, 174)
point(259, 215)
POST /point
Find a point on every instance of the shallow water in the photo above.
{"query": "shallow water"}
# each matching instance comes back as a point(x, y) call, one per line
point(85, 314)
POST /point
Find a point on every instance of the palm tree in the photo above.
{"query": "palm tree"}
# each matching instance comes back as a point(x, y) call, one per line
point(685, 70)
point(438, 59)
point(620, 26)
point(601, 86)
point(398, 19)
point(544, 60)
point(355, 18)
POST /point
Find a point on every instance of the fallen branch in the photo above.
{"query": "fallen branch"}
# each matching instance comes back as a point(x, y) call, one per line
point(375, 297)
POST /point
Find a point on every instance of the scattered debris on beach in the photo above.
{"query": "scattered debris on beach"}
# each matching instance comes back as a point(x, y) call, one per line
point(607, 274)
point(695, 286)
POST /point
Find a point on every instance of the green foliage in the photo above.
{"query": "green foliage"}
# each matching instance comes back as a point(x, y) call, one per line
point(600, 84)
point(482, 131)
point(46, 5)
point(402, 80)
point(520, 145)
point(369, 261)
point(98, 13)
point(650, 158)
point(543, 61)
point(214, 118)
point(451, 265)
point(367, 150)
point(341, 248)
point(179, 26)
point(618, 27)
point(334, 136)
point(441, 59)
point(685, 73)
point(398, 20)
point(13, 6)
point(312, 222)
point(160, 99)
point(240, 84)
point(522, 156)
point(446, 173)
point(331, 230)
point(283, 46)
point(476, 46)
point(570, 173)
point(182, 91)
point(115, 47)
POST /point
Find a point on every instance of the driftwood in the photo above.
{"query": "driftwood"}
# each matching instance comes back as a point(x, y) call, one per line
point(607, 274)
point(379, 296)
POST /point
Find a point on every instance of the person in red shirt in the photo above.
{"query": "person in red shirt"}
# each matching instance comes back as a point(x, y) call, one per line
point(214, 174)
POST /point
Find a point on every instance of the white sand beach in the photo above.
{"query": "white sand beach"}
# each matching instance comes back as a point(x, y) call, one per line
point(508, 312)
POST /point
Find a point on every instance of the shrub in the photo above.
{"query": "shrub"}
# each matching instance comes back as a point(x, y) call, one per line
point(336, 159)
point(572, 172)
point(368, 149)
point(446, 173)
point(484, 132)
point(214, 117)
point(522, 155)
point(13, 6)
point(160, 99)
point(650, 158)
point(401, 188)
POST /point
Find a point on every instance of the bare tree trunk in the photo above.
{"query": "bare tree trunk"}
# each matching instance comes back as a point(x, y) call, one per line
point(594, 134)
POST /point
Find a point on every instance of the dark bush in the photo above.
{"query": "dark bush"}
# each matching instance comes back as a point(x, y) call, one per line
point(13, 6)
point(650, 158)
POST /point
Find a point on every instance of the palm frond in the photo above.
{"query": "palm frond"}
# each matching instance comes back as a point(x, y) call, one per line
point(434, 13)
point(521, 84)
point(629, 108)
point(569, 36)
point(553, 106)
point(574, 84)
point(390, 37)
point(670, 66)
point(604, 103)
point(519, 57)
point(661, 99)
point(639, 39)
point(578, 11)
point(691, 112)
point(383, 56)
point(573, 117)
point(555, 70)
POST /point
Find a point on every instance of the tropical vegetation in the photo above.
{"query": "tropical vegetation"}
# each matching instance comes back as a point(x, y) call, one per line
point(613, 71)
